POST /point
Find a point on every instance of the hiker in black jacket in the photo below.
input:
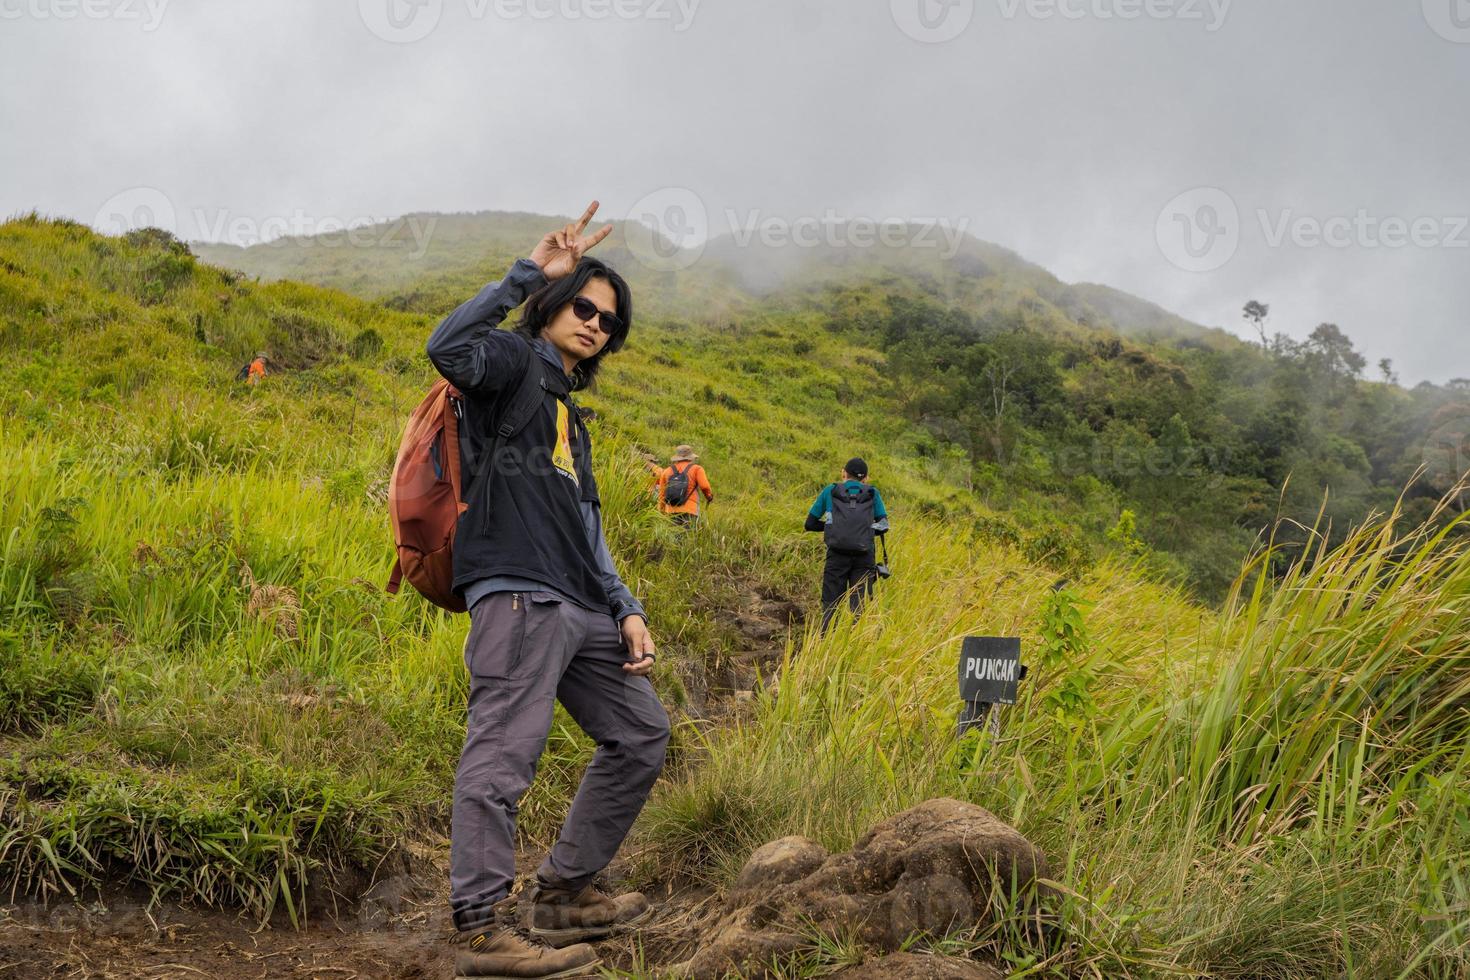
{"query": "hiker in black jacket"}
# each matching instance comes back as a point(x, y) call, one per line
point(550, 620)
point(848, 513)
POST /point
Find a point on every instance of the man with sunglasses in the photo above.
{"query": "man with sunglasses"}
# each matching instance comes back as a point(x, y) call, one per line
point(550, 619)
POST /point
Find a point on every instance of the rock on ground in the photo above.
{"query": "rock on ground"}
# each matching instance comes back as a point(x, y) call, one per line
point(927, 870)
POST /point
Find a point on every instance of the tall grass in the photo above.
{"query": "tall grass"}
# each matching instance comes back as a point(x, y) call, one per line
point(1277, 792)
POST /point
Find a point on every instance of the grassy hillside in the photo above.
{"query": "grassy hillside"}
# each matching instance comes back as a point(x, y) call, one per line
point(1087, 417)
point(204, 691)
point(195, 629)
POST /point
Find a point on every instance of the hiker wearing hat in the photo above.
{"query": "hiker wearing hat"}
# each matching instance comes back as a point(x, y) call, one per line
point(848, 513)
point(254, 372)
point(679, 486)
point(550, 619)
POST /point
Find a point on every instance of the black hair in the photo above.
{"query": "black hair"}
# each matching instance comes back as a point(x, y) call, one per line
point(547, 302)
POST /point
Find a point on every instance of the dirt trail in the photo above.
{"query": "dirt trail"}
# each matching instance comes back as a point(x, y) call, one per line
point(400, 928)
point(763, 621)
point(400, 931)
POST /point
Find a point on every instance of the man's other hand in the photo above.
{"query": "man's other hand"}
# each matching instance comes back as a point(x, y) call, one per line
point(640, 646)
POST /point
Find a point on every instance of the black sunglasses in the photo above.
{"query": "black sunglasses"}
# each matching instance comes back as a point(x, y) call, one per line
point(584, 309)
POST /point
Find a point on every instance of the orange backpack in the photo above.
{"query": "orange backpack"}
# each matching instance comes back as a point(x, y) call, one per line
point(426, 492)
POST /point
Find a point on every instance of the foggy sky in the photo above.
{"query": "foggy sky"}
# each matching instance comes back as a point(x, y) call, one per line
point(1062, 129)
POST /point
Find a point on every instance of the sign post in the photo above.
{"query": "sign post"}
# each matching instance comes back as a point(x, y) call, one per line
point(990, 672)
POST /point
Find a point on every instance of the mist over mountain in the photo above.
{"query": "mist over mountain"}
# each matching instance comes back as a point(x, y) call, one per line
point(941, 262)
point(1060, 399)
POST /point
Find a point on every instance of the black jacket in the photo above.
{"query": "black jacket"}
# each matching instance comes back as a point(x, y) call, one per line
point(525, 509)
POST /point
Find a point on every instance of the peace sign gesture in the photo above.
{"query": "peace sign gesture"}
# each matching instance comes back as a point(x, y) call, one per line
point(559, 252)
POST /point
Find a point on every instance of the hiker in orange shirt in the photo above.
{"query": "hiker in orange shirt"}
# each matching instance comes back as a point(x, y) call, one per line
point(679, 486)
point(253, 372)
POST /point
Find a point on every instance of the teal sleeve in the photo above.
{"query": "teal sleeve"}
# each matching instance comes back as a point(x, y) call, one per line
point(879, 511)
point(823, 504)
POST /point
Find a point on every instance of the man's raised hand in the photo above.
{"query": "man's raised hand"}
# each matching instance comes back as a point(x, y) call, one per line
point(559, 252)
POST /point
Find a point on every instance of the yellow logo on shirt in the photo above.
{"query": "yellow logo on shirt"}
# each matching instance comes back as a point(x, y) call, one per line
point(562, 455)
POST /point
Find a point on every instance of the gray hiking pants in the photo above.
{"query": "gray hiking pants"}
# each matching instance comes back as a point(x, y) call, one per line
point(525, 651)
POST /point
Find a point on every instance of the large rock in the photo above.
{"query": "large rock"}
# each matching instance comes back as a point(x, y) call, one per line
point(778, 863)
point(928, 870)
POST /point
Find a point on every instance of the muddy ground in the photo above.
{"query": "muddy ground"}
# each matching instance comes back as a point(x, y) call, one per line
point(400, 932)
point(401, 928)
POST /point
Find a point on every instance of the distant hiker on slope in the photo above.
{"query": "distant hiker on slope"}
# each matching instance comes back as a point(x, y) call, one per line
point(550, 620)
point(254, 372)
point(848, 513)
point(679, 486)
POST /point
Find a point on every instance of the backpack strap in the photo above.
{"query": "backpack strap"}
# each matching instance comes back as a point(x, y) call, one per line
point(452, 452)
point(514, 415)
point(528, 396)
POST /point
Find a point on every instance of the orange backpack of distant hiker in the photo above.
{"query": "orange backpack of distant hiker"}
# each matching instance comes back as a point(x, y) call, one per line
point(426, 492)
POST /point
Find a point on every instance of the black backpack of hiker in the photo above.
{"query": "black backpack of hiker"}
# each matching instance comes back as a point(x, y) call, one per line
point(851, 529)
point(678, 485)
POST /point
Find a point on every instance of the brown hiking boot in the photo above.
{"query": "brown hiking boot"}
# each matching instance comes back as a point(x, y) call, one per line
point(560, 916)
point(499, 954)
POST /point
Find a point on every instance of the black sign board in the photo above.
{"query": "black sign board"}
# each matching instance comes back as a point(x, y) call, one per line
point(990, 667)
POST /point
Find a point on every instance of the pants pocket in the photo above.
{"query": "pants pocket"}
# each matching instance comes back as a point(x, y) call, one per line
point(497, 635)
point(511, 634)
